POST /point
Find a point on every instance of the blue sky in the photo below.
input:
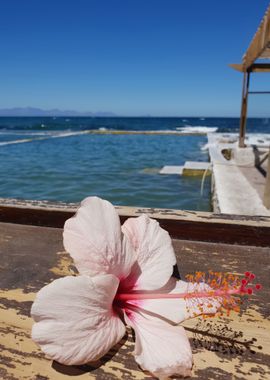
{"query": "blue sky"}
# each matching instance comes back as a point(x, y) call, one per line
point(130, 57)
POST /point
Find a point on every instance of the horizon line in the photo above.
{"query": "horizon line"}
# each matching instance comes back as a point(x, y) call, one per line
point(137, 116)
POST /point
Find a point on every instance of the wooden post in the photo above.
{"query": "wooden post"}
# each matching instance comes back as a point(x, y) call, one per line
point(266, 198)
point(243, 118)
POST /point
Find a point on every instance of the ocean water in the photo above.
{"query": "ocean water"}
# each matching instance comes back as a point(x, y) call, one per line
point(56, 159)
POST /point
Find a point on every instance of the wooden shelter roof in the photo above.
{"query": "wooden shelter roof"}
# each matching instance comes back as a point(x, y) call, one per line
point(259, 48)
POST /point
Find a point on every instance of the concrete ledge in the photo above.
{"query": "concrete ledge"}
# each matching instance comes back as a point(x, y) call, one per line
point(196, 168)
point(173, 169)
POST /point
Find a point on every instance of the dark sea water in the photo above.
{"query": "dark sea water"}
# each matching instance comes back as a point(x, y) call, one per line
point(47, 158)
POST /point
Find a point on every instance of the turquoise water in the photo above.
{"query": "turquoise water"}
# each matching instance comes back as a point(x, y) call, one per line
point(120, 168)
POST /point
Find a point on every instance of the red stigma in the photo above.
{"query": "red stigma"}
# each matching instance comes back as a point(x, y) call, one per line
point(247, 274)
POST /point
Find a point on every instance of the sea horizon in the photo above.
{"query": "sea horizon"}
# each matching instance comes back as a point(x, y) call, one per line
point(133, 116)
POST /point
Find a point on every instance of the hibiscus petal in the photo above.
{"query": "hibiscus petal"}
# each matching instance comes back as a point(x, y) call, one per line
point(76, 323)
point(154, 253)
point(160, 348)
point(176, 310)
point(93, 239)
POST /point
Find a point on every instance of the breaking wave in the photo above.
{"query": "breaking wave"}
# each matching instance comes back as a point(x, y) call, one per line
point(196, 129)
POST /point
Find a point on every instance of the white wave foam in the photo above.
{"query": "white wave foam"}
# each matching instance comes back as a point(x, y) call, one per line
point(196, 129)
point(136, 131)
point(52, 135)
point(25, 132)
point(15, 142)
point(67, 134)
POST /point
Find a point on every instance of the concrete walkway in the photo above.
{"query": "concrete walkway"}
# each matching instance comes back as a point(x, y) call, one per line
point(234, 193)
point(238, 185)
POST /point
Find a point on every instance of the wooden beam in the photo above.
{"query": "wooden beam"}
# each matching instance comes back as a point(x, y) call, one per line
point(237, 67)
point(260, 68)
point(255, 68)
point(260, 42)
point(243, 117)
point(185, 225)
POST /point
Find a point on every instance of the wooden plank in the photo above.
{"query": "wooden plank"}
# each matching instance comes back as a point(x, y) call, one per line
point(266, 198)
point(32, 257)
point(187, 225)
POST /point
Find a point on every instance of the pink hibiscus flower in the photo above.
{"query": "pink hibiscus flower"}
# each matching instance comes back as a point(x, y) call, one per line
point(79, 318)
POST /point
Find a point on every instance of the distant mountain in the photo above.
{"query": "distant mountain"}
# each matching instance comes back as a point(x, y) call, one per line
point(30, 111)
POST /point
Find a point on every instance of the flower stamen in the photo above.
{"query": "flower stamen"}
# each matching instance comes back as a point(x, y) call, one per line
point(226, 288)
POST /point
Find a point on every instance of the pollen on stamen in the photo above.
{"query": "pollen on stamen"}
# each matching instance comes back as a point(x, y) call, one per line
point(225, 289)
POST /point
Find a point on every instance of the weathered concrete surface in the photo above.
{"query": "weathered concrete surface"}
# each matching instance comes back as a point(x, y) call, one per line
point(234, 193)
point(33, 256)
point(238, 182)
point(256, 178)
point(194, 168)
point(171, 169)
